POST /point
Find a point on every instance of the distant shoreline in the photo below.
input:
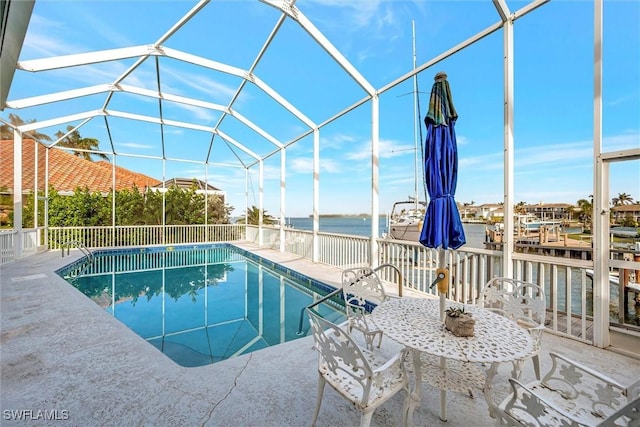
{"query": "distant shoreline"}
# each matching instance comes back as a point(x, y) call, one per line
point(345, 216)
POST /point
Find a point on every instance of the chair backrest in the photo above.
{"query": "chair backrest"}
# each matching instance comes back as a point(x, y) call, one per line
point(362, 284)
point(515, 299)
point(337, 352)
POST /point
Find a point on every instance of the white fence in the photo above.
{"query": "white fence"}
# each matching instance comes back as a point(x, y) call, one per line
point(7, 252)
point(29, 244)
point(143, 235)
point(566, 281)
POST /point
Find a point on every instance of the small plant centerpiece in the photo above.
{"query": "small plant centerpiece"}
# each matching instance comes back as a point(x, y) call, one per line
point(459, 322)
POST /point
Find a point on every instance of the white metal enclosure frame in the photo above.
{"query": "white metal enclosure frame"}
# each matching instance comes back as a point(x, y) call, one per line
point(289, 11)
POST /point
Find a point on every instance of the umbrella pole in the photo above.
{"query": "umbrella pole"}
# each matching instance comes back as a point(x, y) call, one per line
point(443, 285)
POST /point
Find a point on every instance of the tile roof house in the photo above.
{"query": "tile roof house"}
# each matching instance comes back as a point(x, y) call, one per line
point(188, 183)
point(66, 171)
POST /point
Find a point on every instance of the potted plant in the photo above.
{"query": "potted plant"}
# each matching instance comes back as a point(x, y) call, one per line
point(459, 322)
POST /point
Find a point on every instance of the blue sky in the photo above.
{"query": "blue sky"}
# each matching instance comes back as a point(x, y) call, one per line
point(553, 94)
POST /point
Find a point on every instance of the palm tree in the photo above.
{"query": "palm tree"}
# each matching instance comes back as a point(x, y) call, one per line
point(6, 131)
point(520, 208)
point(586, 210)
point(622, 199)
point(253, 217)
point(77, 142)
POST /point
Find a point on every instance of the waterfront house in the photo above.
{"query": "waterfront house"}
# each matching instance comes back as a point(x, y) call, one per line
point(490, 211)
point(550, 211)
point(621, 212)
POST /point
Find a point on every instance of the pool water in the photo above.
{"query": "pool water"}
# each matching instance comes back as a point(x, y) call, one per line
point(201, 304)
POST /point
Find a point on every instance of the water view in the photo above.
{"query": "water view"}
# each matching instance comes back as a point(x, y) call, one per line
point(361, 226)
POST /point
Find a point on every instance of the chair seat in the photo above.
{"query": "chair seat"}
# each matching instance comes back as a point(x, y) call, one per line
point(579, 408)
point(570, 395)
point(365, 378)
point(387, 382)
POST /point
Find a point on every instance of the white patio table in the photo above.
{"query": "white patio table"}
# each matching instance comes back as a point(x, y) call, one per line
point(416, 324)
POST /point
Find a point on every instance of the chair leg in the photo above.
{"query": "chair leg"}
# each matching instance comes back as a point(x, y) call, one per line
point(536, 365)
point(365, 419)
point(379, 339)
point(321, 383)
point(405, 409)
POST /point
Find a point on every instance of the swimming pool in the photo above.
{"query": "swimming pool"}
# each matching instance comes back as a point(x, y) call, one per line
point(200, 304)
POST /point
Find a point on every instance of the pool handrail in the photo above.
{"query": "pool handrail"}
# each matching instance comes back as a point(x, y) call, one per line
point(320, 301)
point(401, 278)
point(78, 245)
point(339, 290)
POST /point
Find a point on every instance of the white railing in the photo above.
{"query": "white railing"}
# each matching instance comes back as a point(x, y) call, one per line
point(343, 251)
point(29, 241)
point(566, 281)
point(29, 244)
point(299, 242)
point(145, 235)
point(7, 252)
point(568, 292)
point(470, 268)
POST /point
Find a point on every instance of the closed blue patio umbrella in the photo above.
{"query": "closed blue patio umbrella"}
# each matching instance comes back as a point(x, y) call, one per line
point(442, 227)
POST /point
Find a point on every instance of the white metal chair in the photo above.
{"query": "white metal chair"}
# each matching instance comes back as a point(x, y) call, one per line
point(571, 394)
point(524, 303)
point(360, 287)
point(364, 378)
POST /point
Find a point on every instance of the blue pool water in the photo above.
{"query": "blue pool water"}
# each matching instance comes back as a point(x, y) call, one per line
point(201, 304)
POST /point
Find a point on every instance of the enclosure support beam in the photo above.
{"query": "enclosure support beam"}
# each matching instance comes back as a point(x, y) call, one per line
point(283, 193)
point(507, 242)
point(600, 211)
point(17, 194)
point(46, 198)
point(36, 196)
point(375, 179)
point(316, 194)
point(260, 203)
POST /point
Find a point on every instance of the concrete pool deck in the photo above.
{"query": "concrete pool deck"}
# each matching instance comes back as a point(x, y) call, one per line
point(63, 356)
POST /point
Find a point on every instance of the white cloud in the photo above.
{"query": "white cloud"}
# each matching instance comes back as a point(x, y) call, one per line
point(202, 84)
point(337, 141)
point(361, 12)
point(202, 114)
point(304, 165)
point(41, 37)
point(136, 145)
point(461, 140)
point(387, 148)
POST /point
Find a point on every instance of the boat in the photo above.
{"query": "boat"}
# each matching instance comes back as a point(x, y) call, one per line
point(405, 221)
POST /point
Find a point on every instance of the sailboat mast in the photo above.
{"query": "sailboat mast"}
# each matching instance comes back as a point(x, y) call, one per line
point(416, 119)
